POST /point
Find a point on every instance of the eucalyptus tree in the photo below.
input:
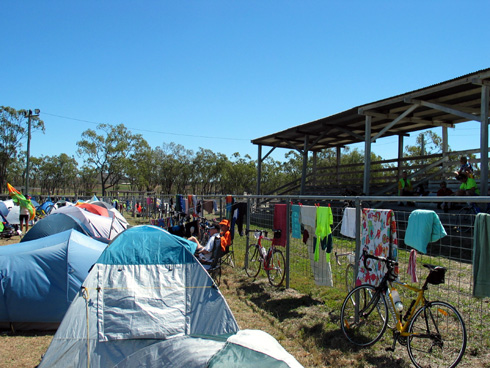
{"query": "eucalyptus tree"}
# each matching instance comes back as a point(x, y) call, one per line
point(109, 153)
point(140, 171)
point(207, 170)
point(56, 174)
point(13, 131)
point(174, 167)
point(240, 174)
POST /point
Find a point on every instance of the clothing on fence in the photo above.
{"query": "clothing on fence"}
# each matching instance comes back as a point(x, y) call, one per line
point(295, 221)
point(348, 227)
point(378, 238)
point(208, 206)
point(481, 256)
point(324, 221)
point(308, 216)
point(412, 265)
point(280, 223)
point(424, 226)
point(239, 214)
point(229, 204)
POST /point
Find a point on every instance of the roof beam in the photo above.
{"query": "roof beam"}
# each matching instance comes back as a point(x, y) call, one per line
point(446, 108)
point(403, 115)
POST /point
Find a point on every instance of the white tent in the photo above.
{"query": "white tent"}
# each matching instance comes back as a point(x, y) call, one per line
point(148, 302)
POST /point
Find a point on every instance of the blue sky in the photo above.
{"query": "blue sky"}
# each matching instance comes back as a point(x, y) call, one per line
point(217, 74)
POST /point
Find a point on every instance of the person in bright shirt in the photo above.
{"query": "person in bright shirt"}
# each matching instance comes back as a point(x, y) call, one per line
point(225, 235)
point(468, 186)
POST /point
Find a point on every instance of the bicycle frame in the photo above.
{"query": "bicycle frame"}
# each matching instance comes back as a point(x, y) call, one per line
point(265, 260)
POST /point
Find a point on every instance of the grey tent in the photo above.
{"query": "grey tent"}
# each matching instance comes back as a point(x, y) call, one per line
point(148, 302)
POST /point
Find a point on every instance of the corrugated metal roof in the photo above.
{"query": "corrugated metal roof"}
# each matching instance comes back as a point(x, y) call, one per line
point(434, 104)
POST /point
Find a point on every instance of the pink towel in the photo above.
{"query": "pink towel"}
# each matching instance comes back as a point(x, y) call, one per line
point(412, 265)
point(280, 221)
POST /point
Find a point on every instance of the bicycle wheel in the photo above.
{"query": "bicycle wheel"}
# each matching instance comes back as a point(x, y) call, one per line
point(349, 277)
point(276, 273)
point(440, 339)
point(466, 218)
point(254, 260)
point(364, 315)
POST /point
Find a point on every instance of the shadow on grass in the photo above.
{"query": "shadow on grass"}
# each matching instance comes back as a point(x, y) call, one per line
point(285, 308)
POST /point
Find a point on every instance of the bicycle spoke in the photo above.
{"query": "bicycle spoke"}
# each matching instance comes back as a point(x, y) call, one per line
point(364, 315)
point(439, 338)
point(254, 260)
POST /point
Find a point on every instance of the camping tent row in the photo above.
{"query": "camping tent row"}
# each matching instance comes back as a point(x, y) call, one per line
point(86, 221)
point(148, 302)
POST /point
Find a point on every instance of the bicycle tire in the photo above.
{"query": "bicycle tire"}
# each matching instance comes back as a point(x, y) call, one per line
point(446, 346)
point(466, 218)
point(254, 260)
point(349, 277)
point(276, 272)
point(372, 316)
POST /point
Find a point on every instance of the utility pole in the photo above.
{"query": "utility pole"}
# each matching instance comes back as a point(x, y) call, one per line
point(28, 114)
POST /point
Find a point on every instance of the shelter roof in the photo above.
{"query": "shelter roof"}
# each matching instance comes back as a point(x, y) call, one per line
point(444, 104)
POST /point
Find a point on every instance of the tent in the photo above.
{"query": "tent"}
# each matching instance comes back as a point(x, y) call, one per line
point(40, 278)
point(148, 302)
point(98, 227)
point(47, 207)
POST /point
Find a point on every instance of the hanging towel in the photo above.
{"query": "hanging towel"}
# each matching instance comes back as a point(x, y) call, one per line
point(424, 226)
point(348, 227)
point(412, 265)
point(208, 206)
point(308, 216)
point(295, 221)
point(378, 237)
point(229, 204)
point(481, 256)
point(324, 221)
point(280, 222)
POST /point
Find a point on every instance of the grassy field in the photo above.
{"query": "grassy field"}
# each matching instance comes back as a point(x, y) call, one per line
point(305, 321)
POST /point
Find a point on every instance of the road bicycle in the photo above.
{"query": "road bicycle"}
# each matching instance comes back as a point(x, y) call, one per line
point(433, 331)
point(271, 260)
point(349, 269)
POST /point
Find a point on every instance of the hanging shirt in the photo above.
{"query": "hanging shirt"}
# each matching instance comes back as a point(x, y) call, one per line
point(324, 221)
point(348, 227)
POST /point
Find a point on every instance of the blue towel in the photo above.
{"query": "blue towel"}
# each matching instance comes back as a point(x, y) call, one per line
point(423, 227)
point(481, 256)
point(295, 221)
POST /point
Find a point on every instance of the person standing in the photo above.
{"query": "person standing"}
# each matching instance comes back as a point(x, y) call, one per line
point(24, 216)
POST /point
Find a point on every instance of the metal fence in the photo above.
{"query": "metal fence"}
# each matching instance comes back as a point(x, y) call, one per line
point(453, 251)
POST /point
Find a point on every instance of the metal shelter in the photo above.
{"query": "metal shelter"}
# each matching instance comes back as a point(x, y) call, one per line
point(445, 104)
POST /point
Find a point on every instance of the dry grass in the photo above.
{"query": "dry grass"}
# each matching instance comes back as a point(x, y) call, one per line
point(306, 326)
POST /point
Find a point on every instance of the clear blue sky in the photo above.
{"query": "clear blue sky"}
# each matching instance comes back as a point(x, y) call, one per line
point(188, 71)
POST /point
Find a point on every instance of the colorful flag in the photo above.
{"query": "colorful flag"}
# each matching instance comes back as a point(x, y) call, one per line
point(19, 198)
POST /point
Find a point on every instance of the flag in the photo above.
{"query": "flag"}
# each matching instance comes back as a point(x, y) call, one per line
point(19, 198)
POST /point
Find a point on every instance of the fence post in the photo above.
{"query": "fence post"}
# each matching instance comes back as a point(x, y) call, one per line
point(288, 222)
point(358, 237)
point(247, 234)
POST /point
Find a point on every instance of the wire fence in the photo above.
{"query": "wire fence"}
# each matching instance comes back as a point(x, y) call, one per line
point(453, 251)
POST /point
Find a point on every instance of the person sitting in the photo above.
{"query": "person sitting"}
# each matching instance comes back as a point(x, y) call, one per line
point(468, 186)
point(205, 253)
point(405, 187)
point(444, 191)
point(465, 168)
point(225, 235)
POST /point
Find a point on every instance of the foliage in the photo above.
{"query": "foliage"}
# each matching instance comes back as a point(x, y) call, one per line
point(13, 130)
point(110, 153)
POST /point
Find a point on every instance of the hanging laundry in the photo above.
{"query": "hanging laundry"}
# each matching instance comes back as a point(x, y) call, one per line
point(324, 221)
point(412, 265)
point(295, 221)
point(481, 256)
point(379, 238)
point(229, 204)
point(424, 226)
point(308, 216)
point(280, 223)
point(239, 214)
point(208, 206)
point(348, 227)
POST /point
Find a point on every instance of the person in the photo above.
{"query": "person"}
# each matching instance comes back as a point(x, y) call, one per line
point(225, 235)
point(444, 191)
point(468, 186)
point(205, 253)
point(405, 185)
point(465, 168)
point(24, 217)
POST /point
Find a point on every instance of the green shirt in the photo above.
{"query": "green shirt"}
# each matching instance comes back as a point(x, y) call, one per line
point(470, 183)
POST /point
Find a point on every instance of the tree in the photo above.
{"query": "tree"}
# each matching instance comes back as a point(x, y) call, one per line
point(175, 167)
point(13, 130)
point(240, 175)
point(109, 153)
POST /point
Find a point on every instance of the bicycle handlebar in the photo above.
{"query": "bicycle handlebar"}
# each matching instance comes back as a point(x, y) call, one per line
point(389, 262)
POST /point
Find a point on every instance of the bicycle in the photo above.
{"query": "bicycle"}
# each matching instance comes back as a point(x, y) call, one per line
point(433, 331)
point(272, 260)
point(349, 270)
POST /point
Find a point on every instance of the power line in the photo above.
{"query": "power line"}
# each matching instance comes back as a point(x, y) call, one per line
point(151, 131)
